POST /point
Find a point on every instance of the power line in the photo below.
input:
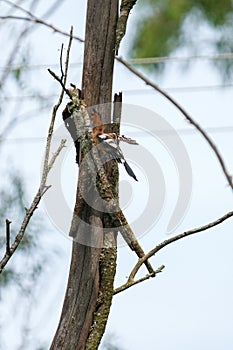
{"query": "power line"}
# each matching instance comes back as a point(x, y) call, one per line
point(182, 89)
point(151, 60)
point(35, 66)
point(26, 97)
point(186, 131)
point(23, 140)
point(146, 60)
point(132, 91)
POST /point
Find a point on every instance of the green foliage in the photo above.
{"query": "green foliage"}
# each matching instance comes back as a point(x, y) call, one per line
point(19, 70)
point(17, 73)
point(168, 25)
point(12, 199)
point(7, 276)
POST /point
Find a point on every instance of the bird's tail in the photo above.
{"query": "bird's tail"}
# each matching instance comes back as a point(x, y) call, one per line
point(129, 170)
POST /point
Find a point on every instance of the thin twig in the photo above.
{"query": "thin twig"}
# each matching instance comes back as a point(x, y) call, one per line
point(19, 8)
point(46, 188)
point(131, 283)
point(61, 64)
point(176, 238)
point(56, 77)
point(40, 21)
point(56, 154)
point(8, 234)
point(187, 116)
point(19, 237)
point(71, 36)
point(29, 13)
point(26, 31)
point(46, 168)
point(55, 108)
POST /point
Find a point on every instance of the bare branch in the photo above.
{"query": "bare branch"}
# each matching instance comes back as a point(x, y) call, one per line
point(46, 168)
point(25, 31)
point(131, 283)
point(63, 78)
point(176, 238)
point(55, 108)
point(56, 77)
point(187, 116)
point(117, 109)
point(40, 21)
point(56, 154)
point(51, 9)
point(54, 7)
point(18, 238)
point(8, 222)
point(46, 188)
point(126, 7)
point(16, 6)
point(61, 65)
point(68, 56)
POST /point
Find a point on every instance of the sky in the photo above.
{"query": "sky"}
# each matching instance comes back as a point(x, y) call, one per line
point(189, 305)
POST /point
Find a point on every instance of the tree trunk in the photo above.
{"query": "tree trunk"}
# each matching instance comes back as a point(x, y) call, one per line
point(86, 278)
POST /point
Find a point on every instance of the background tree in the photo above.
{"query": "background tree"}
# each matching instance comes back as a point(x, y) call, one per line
point(14, 192)
point(196, 27)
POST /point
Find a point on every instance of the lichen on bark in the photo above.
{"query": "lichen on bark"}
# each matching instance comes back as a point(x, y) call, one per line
point(107, 267)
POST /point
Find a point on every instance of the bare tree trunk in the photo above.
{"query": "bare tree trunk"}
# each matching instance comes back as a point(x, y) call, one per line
point(85, 280)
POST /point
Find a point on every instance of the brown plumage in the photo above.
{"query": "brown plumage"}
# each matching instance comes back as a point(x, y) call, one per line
point(109, 142)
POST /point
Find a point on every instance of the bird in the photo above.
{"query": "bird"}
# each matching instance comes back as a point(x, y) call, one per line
point(109, 142)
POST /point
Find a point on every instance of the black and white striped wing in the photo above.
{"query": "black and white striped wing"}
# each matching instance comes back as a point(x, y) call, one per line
point(111, 146)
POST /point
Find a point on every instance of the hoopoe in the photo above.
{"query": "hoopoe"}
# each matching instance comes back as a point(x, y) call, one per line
point(110, 142)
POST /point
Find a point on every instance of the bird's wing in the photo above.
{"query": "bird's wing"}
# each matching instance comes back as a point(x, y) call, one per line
point(111, 146)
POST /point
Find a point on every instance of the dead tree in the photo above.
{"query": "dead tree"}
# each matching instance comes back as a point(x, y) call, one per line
point(88, 263)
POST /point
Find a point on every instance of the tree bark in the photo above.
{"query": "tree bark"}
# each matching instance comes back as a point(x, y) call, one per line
point(81, 299)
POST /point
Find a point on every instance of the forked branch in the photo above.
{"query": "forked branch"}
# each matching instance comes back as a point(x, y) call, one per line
point(130, 282)
point(176, 238)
